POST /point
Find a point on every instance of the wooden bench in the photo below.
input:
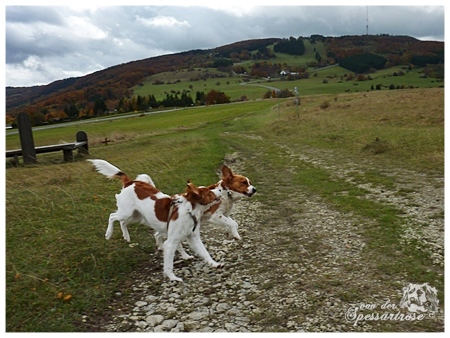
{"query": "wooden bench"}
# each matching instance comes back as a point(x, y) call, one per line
point(67, 149)
point(29, 151)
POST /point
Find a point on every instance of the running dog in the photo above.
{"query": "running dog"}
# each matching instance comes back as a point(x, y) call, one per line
point(176, 217)
point(234, 187)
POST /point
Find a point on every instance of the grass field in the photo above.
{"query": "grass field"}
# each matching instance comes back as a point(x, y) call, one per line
point(58, 264)
point(327, 80)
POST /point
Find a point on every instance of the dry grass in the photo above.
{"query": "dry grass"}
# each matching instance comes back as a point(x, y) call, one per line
point(409, 125)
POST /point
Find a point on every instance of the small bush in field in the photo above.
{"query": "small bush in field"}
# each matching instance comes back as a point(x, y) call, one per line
point(325, 104)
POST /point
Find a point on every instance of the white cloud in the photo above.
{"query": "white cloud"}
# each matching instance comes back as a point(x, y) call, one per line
point(32, 62)
point(239, 10)
point(162, 21)
point(82, 27)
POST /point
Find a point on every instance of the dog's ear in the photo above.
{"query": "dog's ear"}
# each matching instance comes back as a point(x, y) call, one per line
point(226, 172)
point(190, 187)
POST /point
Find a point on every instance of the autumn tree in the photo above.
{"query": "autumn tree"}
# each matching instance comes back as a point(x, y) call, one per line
point(71, 110)
point(216, 97)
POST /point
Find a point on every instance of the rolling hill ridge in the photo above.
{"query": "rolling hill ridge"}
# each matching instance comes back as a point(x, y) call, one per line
point(102, 91)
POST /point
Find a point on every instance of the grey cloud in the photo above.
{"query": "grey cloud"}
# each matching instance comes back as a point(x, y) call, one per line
point(44, 44)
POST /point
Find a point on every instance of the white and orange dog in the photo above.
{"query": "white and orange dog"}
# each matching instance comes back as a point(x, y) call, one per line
point(234, 187)
point(178, 218)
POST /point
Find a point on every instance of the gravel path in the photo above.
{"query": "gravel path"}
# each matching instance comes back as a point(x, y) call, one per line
point(300, 267)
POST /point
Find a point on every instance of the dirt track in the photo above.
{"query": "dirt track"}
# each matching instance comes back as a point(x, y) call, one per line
point(301, 264)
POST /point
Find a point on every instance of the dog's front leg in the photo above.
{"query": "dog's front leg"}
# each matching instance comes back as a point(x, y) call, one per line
point(227, 223)
point(198, 247)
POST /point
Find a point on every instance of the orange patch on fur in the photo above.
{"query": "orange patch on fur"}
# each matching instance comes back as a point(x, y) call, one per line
point(201, 195)
point(126, 181)
point(162, 208)
point(214, 208)
point(144, 190)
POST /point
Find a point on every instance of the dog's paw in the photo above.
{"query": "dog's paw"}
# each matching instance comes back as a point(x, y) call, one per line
point(187, 257)
point(176, 279)
point(172, 277)
point(108, 236)
point(234, 235)
point(217, 265)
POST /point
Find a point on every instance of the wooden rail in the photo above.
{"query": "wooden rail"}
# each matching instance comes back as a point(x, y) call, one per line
point(67, 149)
point(29, 151)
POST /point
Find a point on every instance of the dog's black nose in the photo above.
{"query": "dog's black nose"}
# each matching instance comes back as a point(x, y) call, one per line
point(252, 192)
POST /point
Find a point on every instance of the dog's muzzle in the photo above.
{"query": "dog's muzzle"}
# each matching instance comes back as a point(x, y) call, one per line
point(251, 193)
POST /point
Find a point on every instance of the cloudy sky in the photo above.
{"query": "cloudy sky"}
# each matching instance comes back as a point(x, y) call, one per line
point(48, 43)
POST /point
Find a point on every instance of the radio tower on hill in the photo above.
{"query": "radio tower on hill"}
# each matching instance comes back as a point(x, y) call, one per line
point(367, 20)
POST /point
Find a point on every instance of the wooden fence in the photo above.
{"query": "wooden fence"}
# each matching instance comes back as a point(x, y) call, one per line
point(28, 151)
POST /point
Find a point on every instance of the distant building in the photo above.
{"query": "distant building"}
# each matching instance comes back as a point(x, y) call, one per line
point(287, 72)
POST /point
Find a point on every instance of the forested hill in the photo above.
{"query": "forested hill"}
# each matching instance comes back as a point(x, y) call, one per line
point(104, 89)
point(114, 82)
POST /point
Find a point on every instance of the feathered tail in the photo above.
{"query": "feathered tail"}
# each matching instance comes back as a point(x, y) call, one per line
point(109, 170)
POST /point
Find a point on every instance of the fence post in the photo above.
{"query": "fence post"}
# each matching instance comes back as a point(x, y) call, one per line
point(82, 137)
point(26, 138)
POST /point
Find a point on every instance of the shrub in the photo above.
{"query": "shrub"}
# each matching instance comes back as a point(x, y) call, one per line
point(325, 104)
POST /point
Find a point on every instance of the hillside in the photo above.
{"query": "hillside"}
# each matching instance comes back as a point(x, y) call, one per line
point(109, 89)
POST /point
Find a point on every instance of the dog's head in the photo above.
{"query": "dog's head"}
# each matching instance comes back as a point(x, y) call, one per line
point(237, 185)
point(202, 195)
point(419, 298)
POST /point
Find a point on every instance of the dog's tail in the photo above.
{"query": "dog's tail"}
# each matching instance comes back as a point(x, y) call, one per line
point(145, 178)
point(110, 171)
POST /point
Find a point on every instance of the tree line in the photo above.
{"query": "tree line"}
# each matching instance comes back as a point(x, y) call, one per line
point(99, 107)
point(290, 46)
point(145, 102)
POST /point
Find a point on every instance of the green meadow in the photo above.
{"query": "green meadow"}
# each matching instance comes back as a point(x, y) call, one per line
point(326, 80)
point(59, 267)
point(322, 80)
